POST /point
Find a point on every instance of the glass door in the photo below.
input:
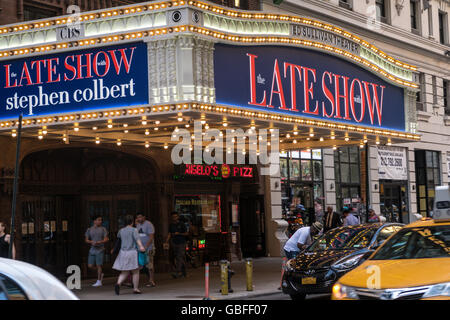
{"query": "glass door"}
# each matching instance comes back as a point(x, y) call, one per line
point(394, 202)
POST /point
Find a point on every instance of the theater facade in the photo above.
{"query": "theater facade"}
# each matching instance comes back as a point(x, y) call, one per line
point(104, 94)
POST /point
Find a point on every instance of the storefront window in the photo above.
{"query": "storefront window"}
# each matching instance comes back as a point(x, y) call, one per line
point(347, 166)
point(428, 175)
point(302, 177)
point(306, 170)
point(200, 212)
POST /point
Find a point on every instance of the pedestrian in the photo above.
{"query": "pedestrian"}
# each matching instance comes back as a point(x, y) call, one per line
point(318, 211)
point(146, 232)
point(373, 217)
point(127, 259)
point(97, 236)
point(301, 239)
point(177, 239)
point(5, 240)
point(331, 220)
point(349, 219)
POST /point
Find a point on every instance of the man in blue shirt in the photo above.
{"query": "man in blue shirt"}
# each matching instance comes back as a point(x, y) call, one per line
point(349, 219)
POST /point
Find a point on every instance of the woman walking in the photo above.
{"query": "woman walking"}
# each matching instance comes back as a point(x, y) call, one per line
point(4, 243)
point(127, 260)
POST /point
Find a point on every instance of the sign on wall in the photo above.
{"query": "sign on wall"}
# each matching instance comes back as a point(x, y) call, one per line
point(91, 79)
point(302, 82)
point(392, 163)
point(448, 164)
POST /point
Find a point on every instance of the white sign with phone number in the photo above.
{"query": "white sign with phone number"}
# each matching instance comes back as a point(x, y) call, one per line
point(392, 163)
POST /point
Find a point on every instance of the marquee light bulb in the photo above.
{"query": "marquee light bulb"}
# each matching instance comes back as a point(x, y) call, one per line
point(119, 143)
point(97, 140)
point(147, 132)
point(14, 133)
point(166, 146)
point(157, 122)
point(147, 145)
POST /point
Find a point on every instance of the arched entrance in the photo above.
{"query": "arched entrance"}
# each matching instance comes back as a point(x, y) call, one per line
point(61, 190)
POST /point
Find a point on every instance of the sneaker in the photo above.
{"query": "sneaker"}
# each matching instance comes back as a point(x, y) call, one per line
point(97, 284)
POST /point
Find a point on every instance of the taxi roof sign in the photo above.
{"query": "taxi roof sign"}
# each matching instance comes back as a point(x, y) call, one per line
point(441, 210)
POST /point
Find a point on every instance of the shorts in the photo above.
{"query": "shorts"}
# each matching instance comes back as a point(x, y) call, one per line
point(151, 256)
point(96, 258)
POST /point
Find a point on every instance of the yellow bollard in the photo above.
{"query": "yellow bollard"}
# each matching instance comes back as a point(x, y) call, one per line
point(249, 271)
point(224, 276)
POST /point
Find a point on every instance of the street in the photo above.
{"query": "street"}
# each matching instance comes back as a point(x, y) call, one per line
point(281, 296)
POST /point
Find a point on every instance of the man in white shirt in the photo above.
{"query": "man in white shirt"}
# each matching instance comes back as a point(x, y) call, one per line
point(301, 239)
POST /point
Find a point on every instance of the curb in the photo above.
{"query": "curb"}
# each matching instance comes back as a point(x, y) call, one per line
point(250, 295)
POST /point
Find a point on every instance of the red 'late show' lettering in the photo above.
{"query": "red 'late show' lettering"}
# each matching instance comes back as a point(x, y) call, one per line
point(343, 95)
point(72, 67)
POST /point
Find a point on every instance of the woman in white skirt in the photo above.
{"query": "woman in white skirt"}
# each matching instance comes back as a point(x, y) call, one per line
point(127, 259)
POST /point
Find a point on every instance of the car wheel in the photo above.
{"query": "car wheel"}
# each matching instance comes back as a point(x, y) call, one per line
point(298, 296)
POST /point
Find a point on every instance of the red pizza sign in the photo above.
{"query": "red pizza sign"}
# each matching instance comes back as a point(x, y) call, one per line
point(224, 171)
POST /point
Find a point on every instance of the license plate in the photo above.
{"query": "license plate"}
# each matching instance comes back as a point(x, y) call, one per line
point(309, 280)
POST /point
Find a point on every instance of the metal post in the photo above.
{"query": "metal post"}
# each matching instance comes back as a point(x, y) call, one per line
point(367, 182)
point(249, 269)
point(224, 276)
point(206, 282)
point(230, 274)
point(14, 199)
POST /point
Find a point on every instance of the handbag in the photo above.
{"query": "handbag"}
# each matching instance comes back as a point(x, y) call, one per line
point(142, 258)
point(117, 246)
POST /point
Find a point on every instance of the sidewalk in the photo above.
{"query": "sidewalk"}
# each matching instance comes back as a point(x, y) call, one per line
point(266, 280)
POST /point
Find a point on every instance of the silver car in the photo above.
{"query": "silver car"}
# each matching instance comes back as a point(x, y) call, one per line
point(24, 281)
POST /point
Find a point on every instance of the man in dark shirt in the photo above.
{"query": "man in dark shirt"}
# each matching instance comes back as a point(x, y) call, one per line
point(331, 220)
point(177, 237)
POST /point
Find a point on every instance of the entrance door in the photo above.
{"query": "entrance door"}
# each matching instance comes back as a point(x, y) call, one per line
point(47, 239)
point(252, 226)
point(394, 201)
point(113, 209)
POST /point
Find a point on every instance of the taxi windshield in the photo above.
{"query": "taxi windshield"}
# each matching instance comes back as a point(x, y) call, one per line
point(343, 238)
point(417, 243)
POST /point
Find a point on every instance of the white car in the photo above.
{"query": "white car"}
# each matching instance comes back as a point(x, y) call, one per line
point(24, 281)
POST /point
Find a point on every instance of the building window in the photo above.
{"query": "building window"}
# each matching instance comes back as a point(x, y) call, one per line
point(420, 103)
point(381, 10)
point(434, 84)
point(428, 176)
point(443, 27)
point(345, 4)
point(414, 15)
point(302, 178)
point(35, 13)
point(200, 212)
point(446, 87)
point(347, 170)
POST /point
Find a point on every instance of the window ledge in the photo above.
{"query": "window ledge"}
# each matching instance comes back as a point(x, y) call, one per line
point(423, 116)
point(447, 120)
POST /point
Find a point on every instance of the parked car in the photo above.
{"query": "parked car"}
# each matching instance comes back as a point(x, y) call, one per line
point(333, 254)
point(413, 264)
point(24, 281)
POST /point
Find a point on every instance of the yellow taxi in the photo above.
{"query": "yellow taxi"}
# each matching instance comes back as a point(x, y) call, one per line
point(413, 263)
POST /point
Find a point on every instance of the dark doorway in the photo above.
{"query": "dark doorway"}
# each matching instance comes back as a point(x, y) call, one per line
point(394, 201)
point(252, 226)
point(62, 190)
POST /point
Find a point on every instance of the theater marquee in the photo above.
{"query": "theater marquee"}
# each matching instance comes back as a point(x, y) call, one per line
point(96, 78)
point(306, 83)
